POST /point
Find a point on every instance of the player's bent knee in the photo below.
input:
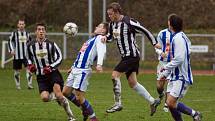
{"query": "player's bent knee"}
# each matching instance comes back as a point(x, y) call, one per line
point(45, 99)
point(115, 74)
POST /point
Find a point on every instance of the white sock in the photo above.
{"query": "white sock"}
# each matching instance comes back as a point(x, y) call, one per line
point(29, 77)
point(93, 115)
point(193, 112)
point(117, 91)
point(52, 96)
point(143, 92)
point(66, 106)
point(17, 78)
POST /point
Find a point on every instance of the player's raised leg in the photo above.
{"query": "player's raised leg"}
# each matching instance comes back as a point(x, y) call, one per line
point(141, 90)
point(117, 93)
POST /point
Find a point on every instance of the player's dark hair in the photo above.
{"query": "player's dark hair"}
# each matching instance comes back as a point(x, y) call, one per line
point(40, 24)
point(116, 7)
point(176, 22)
point(21, 18)
point(106, 26)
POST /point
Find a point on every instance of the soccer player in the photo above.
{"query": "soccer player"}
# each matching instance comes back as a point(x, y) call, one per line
point(17, 48)
point(122, 30)
point(81, 71)
point(180, 69)
point(164, 39)
point(44, 57)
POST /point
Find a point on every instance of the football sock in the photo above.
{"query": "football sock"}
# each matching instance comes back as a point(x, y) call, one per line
point(87, 109)
point(52, 96)
point(66, 106)
point(117, 91)
point(143, 92)
point(29, 78)
point(184, 109)
point(176, 114)
point(17, 77)
point(73, 99)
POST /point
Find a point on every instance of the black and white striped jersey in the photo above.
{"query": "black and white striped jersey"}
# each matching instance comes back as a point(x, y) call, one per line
point(42, 54)
point(18, 43)
point(123, 32)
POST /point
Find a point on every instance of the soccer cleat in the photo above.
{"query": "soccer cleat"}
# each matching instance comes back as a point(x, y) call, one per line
point(153, 106)
point(71, 119)
point(166, 109)
point(197, 116)
point(18, 87)
point(30, 87)
point(94, 119)
point(114, 108)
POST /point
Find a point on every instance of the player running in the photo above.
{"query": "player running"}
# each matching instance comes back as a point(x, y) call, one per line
point(44, 57)
point(180, 70)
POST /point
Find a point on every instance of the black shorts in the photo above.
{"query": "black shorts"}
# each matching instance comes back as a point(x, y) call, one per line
point(17, 63)
point(128, 65)
point(46, 82)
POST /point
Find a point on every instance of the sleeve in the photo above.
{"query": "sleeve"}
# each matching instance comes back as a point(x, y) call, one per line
point(136, 25)
point(57, 56)
point(29, 55)
point(179, 54)
point(110, 33)
point(11, 42)
point(29, 38)
point(159, 50)
point(101, 51)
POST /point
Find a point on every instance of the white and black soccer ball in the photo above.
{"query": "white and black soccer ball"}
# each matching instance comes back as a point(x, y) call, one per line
point(70, 28)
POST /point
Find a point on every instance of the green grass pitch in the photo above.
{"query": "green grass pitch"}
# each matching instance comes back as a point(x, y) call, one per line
point(26, 105)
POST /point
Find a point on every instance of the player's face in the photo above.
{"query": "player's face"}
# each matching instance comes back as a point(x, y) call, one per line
point(40, 32)
point(112, 15)
point(100, 29)
point(21, 25)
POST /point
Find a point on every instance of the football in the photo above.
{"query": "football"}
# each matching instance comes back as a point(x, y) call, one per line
point(70, 28)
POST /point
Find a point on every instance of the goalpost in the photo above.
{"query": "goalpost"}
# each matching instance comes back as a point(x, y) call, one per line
point(4, 60)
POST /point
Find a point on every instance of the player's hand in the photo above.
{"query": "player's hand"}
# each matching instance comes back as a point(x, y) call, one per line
point(103, 39)
point(99, 68)
point(157, 46)
point(47, 70)
point(164, 55)
point(32, 68)
point(164, 73)
point(69, 71)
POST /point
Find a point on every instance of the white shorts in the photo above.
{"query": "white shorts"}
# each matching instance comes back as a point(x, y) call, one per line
point(160, 65)
point(78, 79)
point(177, 88)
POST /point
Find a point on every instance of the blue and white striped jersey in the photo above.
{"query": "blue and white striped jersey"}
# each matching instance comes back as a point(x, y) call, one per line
point(164, 37)
point(91, 50)
point(180, 63)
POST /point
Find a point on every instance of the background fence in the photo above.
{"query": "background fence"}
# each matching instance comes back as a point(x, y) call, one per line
point(202, 57)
